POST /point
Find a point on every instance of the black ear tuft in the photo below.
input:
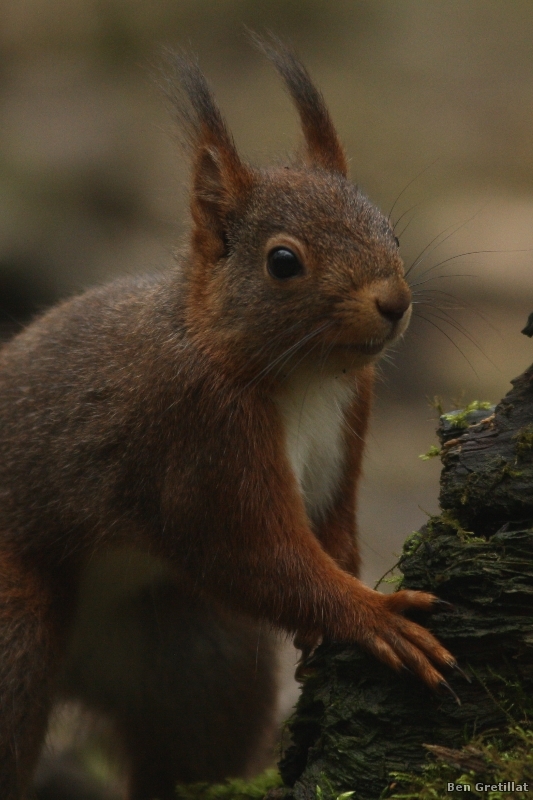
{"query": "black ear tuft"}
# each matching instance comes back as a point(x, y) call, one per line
point(220, 179)
point(192, 100)
point(323, 146)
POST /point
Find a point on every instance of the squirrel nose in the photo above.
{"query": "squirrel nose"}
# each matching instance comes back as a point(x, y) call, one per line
point(394, 305)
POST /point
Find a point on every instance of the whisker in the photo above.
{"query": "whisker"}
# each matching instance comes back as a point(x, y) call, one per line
point(473, 253)
point(423, 299)
point(286, 354)
point(435, 238)
point(388, 355)
point(431, 322)
point(294, 366)
point(458, 325)
point(426, 294)
point(294, 349)
point(284, 332)
point(460, 329)
point(405, 188)
point(406, 227)
point(404, 214)
point(442, 277)
point(465, 304)
point(456, 227)
point(326, 355)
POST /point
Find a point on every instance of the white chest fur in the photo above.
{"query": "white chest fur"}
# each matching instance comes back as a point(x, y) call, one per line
point(313, 408)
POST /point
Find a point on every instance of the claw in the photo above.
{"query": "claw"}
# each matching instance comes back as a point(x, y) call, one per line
point(303, 671)
point(443, 604)
point(455, 666)
point(449, 689)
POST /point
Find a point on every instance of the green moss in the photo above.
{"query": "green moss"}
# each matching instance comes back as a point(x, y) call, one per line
point(391, 577)
point(446, 523)
point(393, 580)
point(433, 452)
point(459, 419)
point(234, 789)
point(524, 441)
point(328, 793)
point(456, 421)
point(496, 762)
point(413, 542)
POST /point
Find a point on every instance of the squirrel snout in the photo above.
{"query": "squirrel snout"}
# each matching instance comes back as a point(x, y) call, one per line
point(392, 304)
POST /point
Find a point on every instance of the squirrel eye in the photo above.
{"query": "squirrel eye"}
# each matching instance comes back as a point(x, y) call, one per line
point(397, 241)
point(282, 263)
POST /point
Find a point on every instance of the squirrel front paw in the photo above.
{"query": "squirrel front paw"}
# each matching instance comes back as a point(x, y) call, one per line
point(403, 644)
point(382, 629)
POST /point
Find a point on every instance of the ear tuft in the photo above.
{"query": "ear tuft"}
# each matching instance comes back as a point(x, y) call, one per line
point(324, 149)
point(220, 179)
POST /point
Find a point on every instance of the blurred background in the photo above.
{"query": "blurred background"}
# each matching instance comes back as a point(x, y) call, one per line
point(434, 102)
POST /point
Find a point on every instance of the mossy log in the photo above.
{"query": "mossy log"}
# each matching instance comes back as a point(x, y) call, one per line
point(357, 723)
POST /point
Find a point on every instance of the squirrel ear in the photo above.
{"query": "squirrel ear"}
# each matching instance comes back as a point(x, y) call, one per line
point(220, 184)
point(323, 148)
point(220, 179)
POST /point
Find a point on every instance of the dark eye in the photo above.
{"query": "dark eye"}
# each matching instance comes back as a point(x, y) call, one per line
point(397, 241)
point(282, 263)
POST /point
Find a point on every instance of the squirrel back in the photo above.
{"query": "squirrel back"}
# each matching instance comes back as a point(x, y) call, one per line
point(213, 417)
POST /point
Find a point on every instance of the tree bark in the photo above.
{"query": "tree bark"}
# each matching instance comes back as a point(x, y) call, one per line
point(356, 721)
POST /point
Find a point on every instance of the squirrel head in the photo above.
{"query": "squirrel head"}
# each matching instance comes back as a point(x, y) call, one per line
point(285, 262)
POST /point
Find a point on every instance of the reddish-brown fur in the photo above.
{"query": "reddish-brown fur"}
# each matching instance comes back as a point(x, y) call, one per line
point(145, 414)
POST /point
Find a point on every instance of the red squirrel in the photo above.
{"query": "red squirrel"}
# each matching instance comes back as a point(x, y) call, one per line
point(213, 417)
